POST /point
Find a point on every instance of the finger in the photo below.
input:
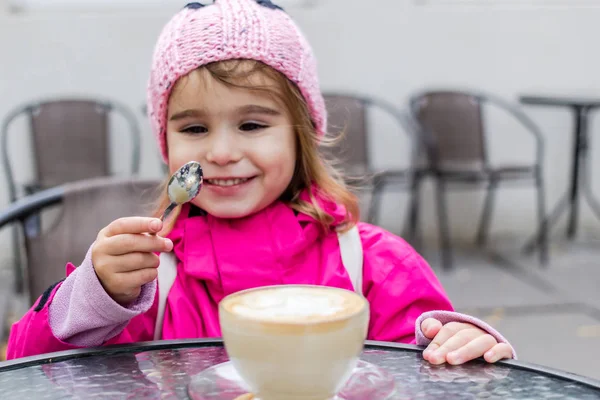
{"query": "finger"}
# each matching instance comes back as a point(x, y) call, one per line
point(454, 342)
point(471, 350)
point(126, 285)
point(498, 352)
point(133, 225)
point(135, 279)
point(430, 327)
point(129, 243)
point(134, 261)
point(445, 332)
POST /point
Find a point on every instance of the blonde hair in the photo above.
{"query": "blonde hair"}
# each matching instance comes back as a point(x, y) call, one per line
point(313, 170)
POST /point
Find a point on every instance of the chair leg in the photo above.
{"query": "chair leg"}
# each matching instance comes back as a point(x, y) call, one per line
point(543, 222)
point(19, 279)
point(484, 221)
point(375, 203)
point(412, 226)
point(442, 209)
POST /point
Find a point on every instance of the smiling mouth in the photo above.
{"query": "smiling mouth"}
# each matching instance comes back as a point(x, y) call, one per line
point(226, 182)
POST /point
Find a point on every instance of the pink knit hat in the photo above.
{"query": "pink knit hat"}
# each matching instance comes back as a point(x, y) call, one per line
point(231, 29)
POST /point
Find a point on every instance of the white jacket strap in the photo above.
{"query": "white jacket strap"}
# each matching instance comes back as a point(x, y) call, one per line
point(167, 272)
point(352, 256)
point(350, 249)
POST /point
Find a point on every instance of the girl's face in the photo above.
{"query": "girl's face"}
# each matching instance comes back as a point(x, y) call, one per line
point(243, 139)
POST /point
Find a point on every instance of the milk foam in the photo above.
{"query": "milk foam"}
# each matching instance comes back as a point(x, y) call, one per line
point(289, 304)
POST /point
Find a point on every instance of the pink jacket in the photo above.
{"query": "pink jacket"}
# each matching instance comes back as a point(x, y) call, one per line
point(218, 257)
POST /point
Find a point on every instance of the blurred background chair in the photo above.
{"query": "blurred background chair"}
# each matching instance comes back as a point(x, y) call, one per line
point(80, 210)
point(164, 167)
point(453, 134)
point(351, 114)
point(71, 142)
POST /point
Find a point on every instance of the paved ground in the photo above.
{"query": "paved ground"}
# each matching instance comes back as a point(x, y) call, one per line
point(551, 315)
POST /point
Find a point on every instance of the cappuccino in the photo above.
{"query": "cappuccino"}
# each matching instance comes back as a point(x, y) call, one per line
point(293, 342)
point(294, 304)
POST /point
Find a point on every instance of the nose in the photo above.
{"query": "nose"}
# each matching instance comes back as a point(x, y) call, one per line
point(223, 148)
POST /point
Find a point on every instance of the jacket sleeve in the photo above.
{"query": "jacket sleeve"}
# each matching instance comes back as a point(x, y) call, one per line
point(403, 291)
point(77, 313)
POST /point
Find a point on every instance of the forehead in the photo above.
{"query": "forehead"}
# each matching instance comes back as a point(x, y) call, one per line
point(237, 80)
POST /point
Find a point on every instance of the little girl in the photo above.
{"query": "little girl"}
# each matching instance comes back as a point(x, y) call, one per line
point(234, 86)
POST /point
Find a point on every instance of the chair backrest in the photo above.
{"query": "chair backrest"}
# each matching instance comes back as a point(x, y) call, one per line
point(346, 113)
point(87, 207)
point(356, 116)
point(452, 125)
point(70, 140)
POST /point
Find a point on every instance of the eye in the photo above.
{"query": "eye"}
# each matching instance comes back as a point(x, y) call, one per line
point(251, 126)
point(194, 129)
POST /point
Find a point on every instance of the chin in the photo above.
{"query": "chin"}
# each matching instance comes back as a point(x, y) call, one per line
point(229, 212)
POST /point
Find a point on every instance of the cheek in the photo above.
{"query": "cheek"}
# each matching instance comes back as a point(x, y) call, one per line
point(282, 168)
point(291, 154)
point(180, 152)
point(282, 160)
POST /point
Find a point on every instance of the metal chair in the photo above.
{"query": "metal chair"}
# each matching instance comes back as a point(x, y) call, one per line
point(70, 140)
point(350, 113)
point(163, 166)
point(80, 209)
point(453, 133)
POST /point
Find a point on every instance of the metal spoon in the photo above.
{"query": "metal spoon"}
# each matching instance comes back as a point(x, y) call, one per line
point(184, 186)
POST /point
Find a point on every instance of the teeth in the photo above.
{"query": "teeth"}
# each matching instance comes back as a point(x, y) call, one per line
point(226, 182)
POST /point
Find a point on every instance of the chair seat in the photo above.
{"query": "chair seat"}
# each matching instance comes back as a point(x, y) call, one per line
point(512, 172)
point(387, 176)
point(395, 175)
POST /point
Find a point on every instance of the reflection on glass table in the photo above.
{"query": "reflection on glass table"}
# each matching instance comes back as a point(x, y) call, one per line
point(167, 370)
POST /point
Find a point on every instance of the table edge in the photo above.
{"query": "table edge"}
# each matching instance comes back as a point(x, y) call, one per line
point(47, 358)
point(558, 101)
